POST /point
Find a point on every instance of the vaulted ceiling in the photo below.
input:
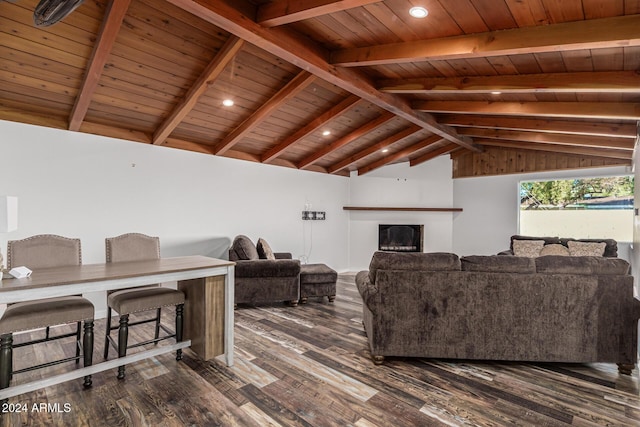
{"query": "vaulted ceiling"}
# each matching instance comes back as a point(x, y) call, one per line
point(501, 86)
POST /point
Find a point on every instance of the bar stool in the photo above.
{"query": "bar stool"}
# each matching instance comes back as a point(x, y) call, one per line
point(139, 247)
point(43, 251)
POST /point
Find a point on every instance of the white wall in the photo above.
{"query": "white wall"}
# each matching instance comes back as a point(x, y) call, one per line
point(399, 185)
point(490, 209)
point(92, 187)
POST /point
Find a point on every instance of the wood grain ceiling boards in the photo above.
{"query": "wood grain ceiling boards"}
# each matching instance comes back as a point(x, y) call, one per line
point(554, 83)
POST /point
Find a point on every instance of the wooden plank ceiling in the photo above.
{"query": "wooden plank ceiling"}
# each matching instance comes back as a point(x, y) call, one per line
point(502, 86)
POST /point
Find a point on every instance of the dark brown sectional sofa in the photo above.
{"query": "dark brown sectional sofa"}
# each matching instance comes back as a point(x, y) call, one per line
point(545, 309)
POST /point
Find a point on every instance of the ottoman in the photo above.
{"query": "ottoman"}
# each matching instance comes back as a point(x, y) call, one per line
point(317, 280)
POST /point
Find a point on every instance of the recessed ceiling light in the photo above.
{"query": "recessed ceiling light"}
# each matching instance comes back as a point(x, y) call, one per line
point(496, 92)
point(228, 102)
point(326, 133)
point(418, 12)
point(385, 150)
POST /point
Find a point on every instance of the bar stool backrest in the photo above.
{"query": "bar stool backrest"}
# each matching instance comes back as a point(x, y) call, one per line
point(43, 251)
point(132, 247)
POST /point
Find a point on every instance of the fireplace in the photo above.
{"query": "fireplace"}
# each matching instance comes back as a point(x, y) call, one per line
point(400, 237)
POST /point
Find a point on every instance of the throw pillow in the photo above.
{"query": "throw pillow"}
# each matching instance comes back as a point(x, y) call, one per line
point(586, 248)
point(264, 250)
point(244, 248)
point(555, 249)
point(527, 248)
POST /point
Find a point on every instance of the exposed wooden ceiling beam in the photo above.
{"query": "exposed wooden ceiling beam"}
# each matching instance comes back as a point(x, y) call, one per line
point(227, 52)
point(113, 16)
point(446, 149)
point(311, 127)
point(350, 137)
point(551, 138)
point(281, 12)
point(291, 89)
point(599, 82)
point(557, 148)
point(386, 142)
point(299, 50)
point(234, 154)
point(613, 130)
point(589, 34)
point(601, 110)
point(399, 154)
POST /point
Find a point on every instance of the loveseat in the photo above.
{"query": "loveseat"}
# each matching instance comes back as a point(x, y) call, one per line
point(261, 280)
point(510, 308)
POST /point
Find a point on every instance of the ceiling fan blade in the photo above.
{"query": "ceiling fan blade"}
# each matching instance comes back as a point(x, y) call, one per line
point(49, 12)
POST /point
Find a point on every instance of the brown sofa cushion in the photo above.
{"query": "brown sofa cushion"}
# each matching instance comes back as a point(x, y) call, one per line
point(267, 268)
point(581, 265)
point(243, 248)
point(497, 263)
point(415, 261)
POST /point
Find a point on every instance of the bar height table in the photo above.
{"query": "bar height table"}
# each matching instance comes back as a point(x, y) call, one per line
point(207, 283)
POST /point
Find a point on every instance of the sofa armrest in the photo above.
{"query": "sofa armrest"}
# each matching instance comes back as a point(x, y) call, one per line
point(268, 268)
point(283, 255)
point(367, 289)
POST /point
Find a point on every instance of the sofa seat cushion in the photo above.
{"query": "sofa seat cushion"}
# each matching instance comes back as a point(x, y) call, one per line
point(497, 263)
point(243, 248)
point(589, 265)
point(414, 261)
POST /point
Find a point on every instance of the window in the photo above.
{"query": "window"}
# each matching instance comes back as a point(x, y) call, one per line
point(579, 208)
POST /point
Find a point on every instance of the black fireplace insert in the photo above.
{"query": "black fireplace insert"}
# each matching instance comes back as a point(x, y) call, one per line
point(400, 237)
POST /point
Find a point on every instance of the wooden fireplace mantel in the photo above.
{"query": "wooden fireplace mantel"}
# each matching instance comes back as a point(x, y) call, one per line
point(392, 208)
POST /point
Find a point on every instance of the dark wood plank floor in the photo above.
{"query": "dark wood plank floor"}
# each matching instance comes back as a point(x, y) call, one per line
point(309, 366)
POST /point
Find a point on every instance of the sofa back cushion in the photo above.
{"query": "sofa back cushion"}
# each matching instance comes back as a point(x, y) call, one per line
point(414, 261)
point(590, 265)
point(242, 248)
point(499, 264)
